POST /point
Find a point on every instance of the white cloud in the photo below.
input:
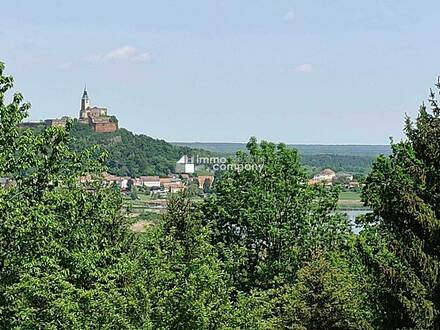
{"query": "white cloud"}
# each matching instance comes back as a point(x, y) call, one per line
point(289, 16)
point(65, 65)
point(125, 53)
point(304, 68)
point(144, 57)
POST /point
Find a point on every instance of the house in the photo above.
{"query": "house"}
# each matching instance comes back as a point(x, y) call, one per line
point(123, 182)
point(312, 182)
point(202, 179)
point(185, 165)
point(85, 178)
point(325, 175)
point(111, 179)
point(150, 181)
point(4, 182)
point(165, 182)
point(172, 184)
point(137, 182)
point(353, 184)
point(46, 123)
point(176, 187)
point(103, 124)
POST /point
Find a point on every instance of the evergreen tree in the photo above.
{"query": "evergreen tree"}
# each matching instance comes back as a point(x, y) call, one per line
point(188, 284)
point(401, 238)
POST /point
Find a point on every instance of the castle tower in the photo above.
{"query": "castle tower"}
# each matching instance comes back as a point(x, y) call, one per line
point(85, 104)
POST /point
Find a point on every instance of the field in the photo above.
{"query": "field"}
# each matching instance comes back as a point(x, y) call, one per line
point(350, 201)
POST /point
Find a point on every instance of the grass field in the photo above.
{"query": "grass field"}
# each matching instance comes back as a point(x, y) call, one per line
point(349, 196)
point(350, 200)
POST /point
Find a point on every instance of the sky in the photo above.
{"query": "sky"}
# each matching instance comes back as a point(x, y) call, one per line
point(327, 72)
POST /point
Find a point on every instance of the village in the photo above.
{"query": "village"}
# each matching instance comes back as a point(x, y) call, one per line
point(179, 181)
point(155, 185)
point(150, 192)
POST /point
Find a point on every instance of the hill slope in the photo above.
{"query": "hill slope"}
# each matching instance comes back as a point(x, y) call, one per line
point(131, 154)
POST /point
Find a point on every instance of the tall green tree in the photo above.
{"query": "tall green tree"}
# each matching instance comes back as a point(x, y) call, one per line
point(268, 225)
point(401, 237)
point(67, 259)
point(188, 284)
point(267, 220)
point(330, 292)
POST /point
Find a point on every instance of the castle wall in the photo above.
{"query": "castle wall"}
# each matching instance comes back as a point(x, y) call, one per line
point(105, 127)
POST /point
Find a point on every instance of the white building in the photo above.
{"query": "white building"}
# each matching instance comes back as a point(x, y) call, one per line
point(185, 165)
point(4, 182)
point(123, 182)
point(150, 181)
point(326, 175)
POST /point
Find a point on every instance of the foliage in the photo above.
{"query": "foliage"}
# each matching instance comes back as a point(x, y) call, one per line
point(67, 260)
point(264, 251)
point(269, 221)
point(187, 283)
point(401, 240)
point(130, 154)
point(340, 163)
point(328, 294)
point(193, 188)
point(303, 149)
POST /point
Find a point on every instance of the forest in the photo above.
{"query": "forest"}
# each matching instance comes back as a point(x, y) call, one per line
point(264, 251)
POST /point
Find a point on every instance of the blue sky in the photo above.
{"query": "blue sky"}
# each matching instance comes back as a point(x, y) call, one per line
point(292, 71)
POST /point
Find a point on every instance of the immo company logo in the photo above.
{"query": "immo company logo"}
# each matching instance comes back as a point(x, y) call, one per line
point(187, 164)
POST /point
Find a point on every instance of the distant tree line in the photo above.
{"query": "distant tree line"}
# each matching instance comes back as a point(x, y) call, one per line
point(339, 163)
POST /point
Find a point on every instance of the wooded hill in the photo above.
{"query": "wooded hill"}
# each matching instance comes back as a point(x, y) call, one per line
point(130, 154)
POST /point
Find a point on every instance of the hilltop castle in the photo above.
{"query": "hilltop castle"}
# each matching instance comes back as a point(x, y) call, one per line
point(96, 117)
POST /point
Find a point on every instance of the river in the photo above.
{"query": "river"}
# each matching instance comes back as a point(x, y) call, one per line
point(352, 214)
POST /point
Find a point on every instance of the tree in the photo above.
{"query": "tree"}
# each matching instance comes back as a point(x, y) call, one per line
point(401, 237)
point(289, 255)
point(266, 220)
point(189, 288)
point(328, 294)
point(67, 259)
point(193, 187)
point(133, 190)
point(207, 186)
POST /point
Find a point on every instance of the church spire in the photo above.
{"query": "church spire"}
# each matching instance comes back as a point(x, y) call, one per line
point(85, 95)
point(85, 104)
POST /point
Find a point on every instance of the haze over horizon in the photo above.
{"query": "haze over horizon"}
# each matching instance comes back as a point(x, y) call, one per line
point(221, 71)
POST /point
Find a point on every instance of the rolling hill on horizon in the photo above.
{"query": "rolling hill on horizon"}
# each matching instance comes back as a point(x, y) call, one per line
point(303, 149)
